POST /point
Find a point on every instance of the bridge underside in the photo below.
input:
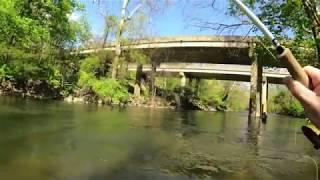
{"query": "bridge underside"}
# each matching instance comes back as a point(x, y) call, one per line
point(212, 71)
point(212, 55)
point(196, 49)
point(227, 77)
point(255, 74)
point(206, 50)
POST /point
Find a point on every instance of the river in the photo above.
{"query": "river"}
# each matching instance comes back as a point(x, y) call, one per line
point(53, 140)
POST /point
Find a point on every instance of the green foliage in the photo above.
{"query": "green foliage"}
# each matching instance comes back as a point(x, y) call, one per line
point(111, 89)
point(137, 56)
point(222, 95)
point(107, 89)
point(86, 79)
point(289, 21)
point(3, 72)
point(90, 64)
point(238, 99)
point(54, 77)
point(33, 39)
point(285, 103)
point(167, 83)
point(80, 31)
point(29, 25)
point(111, 25)
point(211, 93)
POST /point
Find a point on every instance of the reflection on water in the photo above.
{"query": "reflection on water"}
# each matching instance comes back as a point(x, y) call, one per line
point(53, 140)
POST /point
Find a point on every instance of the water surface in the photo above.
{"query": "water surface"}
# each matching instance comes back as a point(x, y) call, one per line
point(55, 140)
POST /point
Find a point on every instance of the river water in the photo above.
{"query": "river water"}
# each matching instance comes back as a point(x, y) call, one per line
point(55, 140)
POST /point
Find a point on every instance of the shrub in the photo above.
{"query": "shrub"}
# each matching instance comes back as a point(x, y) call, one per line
point(285, 103)
point(90, 65)
point(110, 89)
point(107, 89)
point(86, 79)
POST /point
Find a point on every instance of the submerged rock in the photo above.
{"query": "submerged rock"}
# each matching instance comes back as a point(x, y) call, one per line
point(68, 99)
point(71, 99)
point(78, 99)
point(203, 169)
point(100, 102)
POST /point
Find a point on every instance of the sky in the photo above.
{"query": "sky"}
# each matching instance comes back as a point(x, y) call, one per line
point(179, 18)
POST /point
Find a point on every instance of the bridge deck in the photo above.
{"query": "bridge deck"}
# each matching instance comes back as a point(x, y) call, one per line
point(214, 71)
point(193, 49)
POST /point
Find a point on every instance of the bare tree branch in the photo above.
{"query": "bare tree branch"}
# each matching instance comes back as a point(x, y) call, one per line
point(221, 27)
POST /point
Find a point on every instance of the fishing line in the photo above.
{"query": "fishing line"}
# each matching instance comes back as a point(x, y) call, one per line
point(266, 48)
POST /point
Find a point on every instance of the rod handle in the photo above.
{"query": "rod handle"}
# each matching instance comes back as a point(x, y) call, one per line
point(294, 68)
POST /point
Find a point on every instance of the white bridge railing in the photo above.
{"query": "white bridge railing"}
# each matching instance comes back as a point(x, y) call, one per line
point(218, 69)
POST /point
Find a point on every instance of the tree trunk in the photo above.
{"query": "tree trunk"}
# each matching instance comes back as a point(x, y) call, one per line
point(137, 85)
point(115, 63)
point(152, 86)
point(316, 34)
point(105, 38)
point(118, 40)
point(310, 6)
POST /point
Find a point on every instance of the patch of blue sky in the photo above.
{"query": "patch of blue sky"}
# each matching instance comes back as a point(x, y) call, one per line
point(180, 18)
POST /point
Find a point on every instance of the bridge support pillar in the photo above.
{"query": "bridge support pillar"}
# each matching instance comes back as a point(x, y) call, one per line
point(183, 80)
point(255, 86)
point(153, 79)
point(180, 99)
point(197, 86)
point(264, 98)
point(137, 85)
point(259, 89)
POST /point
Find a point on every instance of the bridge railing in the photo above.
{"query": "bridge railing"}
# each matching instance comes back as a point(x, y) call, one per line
point(274, 74)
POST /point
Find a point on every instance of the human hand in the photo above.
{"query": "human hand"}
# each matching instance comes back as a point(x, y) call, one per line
point(309, 98)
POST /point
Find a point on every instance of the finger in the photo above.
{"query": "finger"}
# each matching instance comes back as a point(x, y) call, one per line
point(317, 90)
point(314, 74)
point(304, 95)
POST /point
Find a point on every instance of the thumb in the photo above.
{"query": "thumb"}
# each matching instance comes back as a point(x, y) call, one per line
point(303, 94)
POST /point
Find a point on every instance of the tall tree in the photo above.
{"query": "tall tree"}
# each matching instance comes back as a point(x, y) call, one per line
point(312, 9)
point(118, 39)
point(295, 22)
point(125, 23)
point(111, 24)
point(33, 36)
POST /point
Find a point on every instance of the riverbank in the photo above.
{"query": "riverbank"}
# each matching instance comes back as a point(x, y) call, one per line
point(89, 97)
point(36, 89)
point(214, 98)
point(155, 102)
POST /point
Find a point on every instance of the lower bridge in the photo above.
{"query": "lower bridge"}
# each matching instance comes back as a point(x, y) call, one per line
point(207, 57)
point(257, 75)
point(213, 71)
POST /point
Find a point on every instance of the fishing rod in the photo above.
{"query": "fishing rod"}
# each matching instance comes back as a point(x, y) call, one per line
point(287, 58)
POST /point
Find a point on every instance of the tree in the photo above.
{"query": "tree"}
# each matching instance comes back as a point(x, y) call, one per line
point(34, 36)
point(294, 22)
point(312, 9)
point(144, 6)
point(297, 20)
point(111, 24)
point(118, 39)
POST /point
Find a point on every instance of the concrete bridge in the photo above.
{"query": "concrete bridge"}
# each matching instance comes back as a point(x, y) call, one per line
point(213, 71)
point(216, 57)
